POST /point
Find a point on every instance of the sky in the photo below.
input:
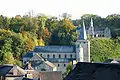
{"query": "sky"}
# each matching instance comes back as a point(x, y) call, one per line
point(76, 8)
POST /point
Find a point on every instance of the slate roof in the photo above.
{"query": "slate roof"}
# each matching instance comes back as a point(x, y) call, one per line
point(60, 60)
point(29, 54)
point(94, 71)
point(37, 60)
point(4, 69)
point(8, 70)
point(99, 29)
point(55, 49)
point(82, 35)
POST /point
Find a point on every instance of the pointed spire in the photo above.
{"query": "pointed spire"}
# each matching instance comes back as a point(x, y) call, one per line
point(83, 35)
point(91, 23)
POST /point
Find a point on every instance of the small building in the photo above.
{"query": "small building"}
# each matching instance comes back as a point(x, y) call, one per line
point(11, 72)
point(37, 62)
point(46, 75)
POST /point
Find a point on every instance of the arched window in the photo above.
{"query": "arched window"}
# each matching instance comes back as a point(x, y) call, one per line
point(59, 56)
point(71, 56)
point(65, 56)
point(41, 54)
point(48, 56)
point(53, 56)
point(94, 35)
point(58, 65)
point(64, 65)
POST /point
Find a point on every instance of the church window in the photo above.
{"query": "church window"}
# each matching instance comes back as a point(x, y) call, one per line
point(78, 46)
point(58, 65)
point(65, 56)
point(41, 54)
point(59, 56)
point(94, 35)
point(48, 56)
point(53, 56)
point(71, 56)
point(64, 65)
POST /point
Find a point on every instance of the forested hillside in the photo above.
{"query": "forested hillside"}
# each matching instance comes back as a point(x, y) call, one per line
point(103, 49)
point(21, 34)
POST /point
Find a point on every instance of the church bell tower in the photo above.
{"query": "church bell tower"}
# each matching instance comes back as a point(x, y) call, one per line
point(83, 46)
point(91, 29)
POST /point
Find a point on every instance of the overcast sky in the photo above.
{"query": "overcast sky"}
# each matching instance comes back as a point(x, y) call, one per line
point(56, 7)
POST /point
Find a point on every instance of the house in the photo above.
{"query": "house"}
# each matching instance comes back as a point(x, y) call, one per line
point(60, 56)
point(37, 62)
point(95, 32)
point(11, 72)
point(94, 71)
point(46, 75)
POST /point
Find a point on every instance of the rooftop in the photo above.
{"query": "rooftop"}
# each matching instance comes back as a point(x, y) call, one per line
point(94, 71)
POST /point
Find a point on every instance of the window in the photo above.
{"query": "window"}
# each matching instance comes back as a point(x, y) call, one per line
point(41, 54)
point(58, 65)
point(59, 56)
point(71, 56)
point(48, 56)
point(53, 56)
point(94, 35)
point(65, 56)
point(77, 45)
point(64, 65)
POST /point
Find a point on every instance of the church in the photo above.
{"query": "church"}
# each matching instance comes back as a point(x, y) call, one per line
point(60, 56)
point(95, 32)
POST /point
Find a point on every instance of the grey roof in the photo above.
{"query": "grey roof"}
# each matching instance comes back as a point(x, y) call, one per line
point(60, 60)
point(4, 69)
point(94, 71)
point(99, 29)
point(82, 35)
point(55, 49)
point(29, 54)
point(8, 70)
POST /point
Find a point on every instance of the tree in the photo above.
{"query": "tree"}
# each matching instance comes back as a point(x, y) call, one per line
point(6, 52)
point(52, 23)
point(8, 58)
point(66, 16)
point(113, 20)
point(64, 34)
point(46, 35)
point(68, 68)
point(41, 25)
point(4, 22)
